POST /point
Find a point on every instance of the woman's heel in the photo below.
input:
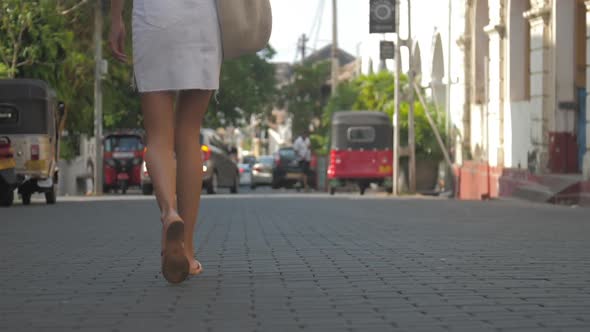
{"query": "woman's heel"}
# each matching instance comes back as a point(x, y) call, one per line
point(175, 265)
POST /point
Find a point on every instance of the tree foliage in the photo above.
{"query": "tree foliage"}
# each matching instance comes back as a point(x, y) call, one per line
point(305, 95)
point(375, 92)
point(53, 40)
point(247, 86)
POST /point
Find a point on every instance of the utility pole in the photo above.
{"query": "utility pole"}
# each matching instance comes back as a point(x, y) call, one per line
point(398, 70)
point(98, 168)
point(303, 46)
point(411, 125)
point(335, 61)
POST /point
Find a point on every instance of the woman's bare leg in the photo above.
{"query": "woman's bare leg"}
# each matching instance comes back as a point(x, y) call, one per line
point(158, 116)
point(158, 121)
point(192, 105)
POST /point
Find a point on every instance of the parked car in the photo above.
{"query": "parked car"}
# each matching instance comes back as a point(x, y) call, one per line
point(245, 168)
point(286, 170)
point(262, 172)
point(251, 160)
point(219, 170)
point(245, 174)
point(147, 188)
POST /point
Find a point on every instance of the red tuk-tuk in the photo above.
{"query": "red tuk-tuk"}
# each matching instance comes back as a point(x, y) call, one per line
point(361, 150)
point(123, 157)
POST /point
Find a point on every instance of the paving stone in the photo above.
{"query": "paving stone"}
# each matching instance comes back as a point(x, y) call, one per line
point(338, 264)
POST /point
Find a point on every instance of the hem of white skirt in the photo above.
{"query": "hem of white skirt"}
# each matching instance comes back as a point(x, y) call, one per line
point(207, 88)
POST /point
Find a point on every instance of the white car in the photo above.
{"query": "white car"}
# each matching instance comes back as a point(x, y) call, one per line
point(146, 182)
point(262, 172)
point(245, 174)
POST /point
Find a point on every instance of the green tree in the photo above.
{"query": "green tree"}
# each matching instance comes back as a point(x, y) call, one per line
point(247, 86)
point(346, 96)
point(376, 92)
point(306, 95)
point(52, 40)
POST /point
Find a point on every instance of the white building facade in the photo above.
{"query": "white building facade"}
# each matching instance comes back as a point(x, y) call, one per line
point(519, 76)
point(534, 80)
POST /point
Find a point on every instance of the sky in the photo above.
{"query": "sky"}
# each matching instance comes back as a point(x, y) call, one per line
point(291, 19)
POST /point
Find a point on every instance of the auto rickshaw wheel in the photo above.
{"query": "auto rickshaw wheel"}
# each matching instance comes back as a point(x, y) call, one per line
point(6, 197)
point(26, 196)
point(363, 189)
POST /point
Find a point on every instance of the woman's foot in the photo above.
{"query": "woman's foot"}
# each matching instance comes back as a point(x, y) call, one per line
point(195, 267)
point(175, 265)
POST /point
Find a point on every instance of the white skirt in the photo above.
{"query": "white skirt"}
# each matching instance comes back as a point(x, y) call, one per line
point(176, 45)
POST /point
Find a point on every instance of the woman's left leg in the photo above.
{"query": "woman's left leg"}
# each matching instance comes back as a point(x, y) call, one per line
point(191, 108)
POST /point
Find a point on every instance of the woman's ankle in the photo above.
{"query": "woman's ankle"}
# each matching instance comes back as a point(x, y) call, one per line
point(170, 216)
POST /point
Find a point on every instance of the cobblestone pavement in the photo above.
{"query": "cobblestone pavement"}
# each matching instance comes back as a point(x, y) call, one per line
point(295, 262)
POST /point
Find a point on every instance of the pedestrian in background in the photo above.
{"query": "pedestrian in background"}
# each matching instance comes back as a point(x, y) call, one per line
point(177, 58)
point(302, 147)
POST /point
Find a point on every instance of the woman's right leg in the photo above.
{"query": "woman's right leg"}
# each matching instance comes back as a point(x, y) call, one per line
point(192, 105)
point(158, 121)
point(158, 118)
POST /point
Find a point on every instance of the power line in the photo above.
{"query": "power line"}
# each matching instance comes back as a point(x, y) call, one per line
point(319, 28)
point(317, 17)
point(301, 46)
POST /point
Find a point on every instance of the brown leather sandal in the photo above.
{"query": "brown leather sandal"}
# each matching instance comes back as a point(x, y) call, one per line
point(196, 271)
point(175, 265)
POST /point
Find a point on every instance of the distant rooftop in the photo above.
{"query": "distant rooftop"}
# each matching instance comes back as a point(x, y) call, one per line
point(325, 53)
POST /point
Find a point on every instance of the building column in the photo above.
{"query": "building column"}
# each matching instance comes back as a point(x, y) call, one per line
point(460, 92)
point(586, 167)
point(463, 147)
point(540, 70)
point(495, 107)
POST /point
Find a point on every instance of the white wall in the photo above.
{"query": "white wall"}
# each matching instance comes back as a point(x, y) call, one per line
point(517, 134)
point(478, 132)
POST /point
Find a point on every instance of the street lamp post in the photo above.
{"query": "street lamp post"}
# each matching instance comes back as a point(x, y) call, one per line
point(396, 96)
point(98, 70)
point(335, 62)
point(411, 127)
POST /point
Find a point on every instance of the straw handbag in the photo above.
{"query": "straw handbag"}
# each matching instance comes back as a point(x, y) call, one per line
point(245, 26)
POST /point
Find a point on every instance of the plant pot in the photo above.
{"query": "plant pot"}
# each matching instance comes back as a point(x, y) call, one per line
point(426, 173)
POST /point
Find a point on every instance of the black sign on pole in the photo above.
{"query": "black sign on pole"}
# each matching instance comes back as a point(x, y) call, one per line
point(382, 16)
point(387, 50)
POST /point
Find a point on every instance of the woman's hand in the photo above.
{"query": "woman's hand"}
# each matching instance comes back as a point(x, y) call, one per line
point(117, 39)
